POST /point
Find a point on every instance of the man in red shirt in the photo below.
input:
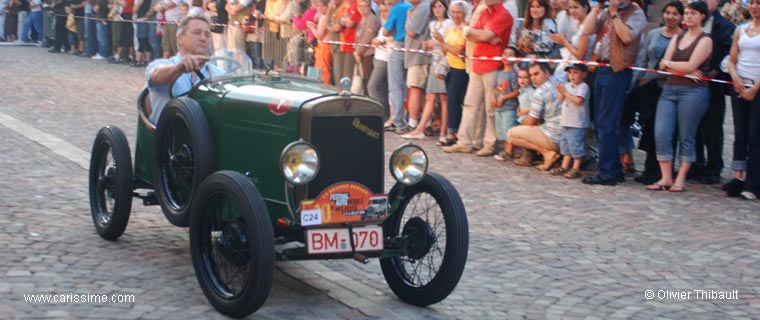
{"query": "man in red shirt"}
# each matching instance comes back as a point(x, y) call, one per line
point(490, 34)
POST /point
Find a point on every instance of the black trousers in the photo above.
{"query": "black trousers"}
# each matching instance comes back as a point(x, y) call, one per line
point(710, 133)
point(61, 38)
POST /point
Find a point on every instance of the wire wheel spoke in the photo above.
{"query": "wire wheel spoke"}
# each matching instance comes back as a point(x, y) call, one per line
point(179, 166)
point(422, 271)
point(226, 248)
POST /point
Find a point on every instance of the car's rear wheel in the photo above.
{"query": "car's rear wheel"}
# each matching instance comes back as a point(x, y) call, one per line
point(183, 157)
point(433, 220)
point(110, 183)
point(232, 243)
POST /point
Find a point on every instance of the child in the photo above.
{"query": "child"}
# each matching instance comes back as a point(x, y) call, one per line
point(573, 97)
point(526, 93)
point(505, 101)
point(71, 26)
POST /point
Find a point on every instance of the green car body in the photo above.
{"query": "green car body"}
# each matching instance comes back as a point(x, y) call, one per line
point(252, 121)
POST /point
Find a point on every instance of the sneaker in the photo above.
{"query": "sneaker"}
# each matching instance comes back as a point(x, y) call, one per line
point(457, 148)
point(503, 156)
point(403, 130)
point(97, 56)
point(485, 152)
point(749, 195)
point(75, 52)
point(733, 188)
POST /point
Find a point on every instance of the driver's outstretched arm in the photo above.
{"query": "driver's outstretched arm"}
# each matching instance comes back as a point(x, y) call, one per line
point(165, 74)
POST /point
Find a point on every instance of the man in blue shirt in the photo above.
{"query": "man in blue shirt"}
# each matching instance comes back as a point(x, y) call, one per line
point(394, 31)
point(193, 37)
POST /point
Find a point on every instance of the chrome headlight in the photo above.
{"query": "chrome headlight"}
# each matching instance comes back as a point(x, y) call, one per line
point(408, 164)
point(299, 162)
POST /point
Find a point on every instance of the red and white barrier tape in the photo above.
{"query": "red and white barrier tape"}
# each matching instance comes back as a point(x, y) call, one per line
point(532, 60)
point(484, 58)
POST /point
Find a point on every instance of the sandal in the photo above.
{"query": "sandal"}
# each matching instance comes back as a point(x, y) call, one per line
point(557, 171)
point(677, 188)
point(441, 141)
point(572, 174)
point(446, 143)
point(658, 187)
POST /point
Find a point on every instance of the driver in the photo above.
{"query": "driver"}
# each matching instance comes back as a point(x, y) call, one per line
point(193, 37)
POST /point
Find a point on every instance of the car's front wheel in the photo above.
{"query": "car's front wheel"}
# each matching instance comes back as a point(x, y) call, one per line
point(232, 243)
point(433, 223)
point(110, 183)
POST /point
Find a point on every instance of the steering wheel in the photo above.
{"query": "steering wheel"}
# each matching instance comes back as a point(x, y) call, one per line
point(233, 66)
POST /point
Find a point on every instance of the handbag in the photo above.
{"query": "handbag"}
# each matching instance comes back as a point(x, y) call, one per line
point(357, 81)
point(440, 66)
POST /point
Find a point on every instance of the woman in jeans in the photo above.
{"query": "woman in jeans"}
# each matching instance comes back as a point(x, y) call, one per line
point(453, 43)
point(744, 68)
point(684, 100)
point(648, 86)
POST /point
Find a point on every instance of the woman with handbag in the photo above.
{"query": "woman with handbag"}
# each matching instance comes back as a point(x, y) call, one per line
point(365, 31)
point(436, 85)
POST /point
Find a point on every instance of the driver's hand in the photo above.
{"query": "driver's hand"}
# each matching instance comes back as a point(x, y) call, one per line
point(191, 62)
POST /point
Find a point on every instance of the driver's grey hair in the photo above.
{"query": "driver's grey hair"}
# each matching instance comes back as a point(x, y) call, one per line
point(186, 20)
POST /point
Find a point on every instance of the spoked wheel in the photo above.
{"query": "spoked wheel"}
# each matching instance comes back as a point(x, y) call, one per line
point(110, 183)
point(433, 221)
point(232, 243)
point(184, 155)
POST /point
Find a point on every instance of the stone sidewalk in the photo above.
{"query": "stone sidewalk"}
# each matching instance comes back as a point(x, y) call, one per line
point(540, 246)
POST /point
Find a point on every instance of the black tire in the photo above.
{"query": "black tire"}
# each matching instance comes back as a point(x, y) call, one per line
point(228, 244)
point(425, 205)
point(110, 183)
point(183, 157)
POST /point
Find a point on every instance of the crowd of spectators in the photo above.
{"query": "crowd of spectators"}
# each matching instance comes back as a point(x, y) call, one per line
point(532, 113)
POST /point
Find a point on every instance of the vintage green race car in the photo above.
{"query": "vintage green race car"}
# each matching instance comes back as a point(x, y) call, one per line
point(266, 167)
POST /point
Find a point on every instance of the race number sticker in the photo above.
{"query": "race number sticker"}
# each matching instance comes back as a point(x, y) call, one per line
point(311, 217)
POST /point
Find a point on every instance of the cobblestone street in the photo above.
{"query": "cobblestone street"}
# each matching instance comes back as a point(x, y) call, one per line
point(541, 247)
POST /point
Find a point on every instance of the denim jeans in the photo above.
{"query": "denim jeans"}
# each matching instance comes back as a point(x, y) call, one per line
point(505, 120)
point(747, 139)
point(154, 40)
point(609, 99)
point(625, 140)
point(34, 19)
point(456, 82)
point(397, 86)
point(104, 41)
point(573, 142)
point(378, 85)
point(90, 35)
point(747, 143)
point(681, 108)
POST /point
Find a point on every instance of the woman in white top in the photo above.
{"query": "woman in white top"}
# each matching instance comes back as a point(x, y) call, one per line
point(579, 46)
point(744, 68)
point(436, 86)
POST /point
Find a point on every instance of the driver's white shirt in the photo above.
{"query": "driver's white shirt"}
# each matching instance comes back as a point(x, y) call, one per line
point(159, 94)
